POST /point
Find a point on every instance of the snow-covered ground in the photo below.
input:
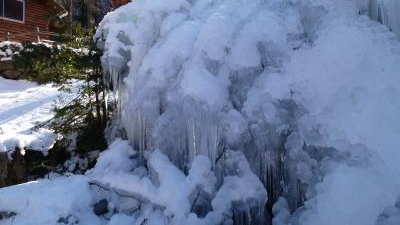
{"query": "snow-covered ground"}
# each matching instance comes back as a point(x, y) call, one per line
point(22, 106)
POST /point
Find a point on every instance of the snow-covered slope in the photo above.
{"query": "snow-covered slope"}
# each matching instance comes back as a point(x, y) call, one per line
point(22, 106)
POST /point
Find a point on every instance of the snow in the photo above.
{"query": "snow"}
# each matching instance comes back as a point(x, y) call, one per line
point(365, 192)
point(118, 160)
point(223, 100)
point(8, 49)
point(170, 192)
point(166, 196)
point(281, 213)
point(24, 105)
point(45, 201)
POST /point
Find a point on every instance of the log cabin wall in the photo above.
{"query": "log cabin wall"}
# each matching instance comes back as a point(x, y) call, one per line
point(117, 3)
point(37, 14)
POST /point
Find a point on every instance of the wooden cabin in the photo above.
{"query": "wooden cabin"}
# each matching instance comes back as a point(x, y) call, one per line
point(21, 20)
point(117, 3)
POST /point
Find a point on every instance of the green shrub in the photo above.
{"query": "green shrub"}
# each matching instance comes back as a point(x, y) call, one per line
point(75, 60)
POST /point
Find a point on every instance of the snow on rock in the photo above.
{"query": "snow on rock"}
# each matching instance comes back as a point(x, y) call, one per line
point(8, 49)
point(166, 194)
point(281, 212)
point(116, 160)
point(122, 219)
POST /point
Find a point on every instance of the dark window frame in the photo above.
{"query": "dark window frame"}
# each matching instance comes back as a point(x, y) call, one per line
point(3, 17)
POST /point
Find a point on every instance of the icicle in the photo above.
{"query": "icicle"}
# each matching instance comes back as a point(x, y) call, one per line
point(387, 13)
point(114, 76)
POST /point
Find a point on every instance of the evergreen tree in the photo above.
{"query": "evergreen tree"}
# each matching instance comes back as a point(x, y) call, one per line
point(76, 60)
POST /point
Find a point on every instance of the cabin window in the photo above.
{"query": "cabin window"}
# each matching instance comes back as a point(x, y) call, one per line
point(12, 10)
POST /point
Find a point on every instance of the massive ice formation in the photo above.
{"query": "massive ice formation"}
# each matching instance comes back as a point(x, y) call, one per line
point(307, 90)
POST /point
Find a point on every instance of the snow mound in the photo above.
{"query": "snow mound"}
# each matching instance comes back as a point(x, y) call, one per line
point(48, 202)
point(165, 195)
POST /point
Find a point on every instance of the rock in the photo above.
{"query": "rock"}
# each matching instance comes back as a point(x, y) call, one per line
point(6, 65)
point(18, 172)
point(248, 212)
point(3, 169)
point(38, 172)
point(6, 215)
point(68, 220)
point(201, 202)
point(35, 163)
point(11, 74)
point(8, 71)
point(100, 207)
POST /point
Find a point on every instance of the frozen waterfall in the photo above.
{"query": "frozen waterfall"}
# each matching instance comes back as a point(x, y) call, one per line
point(283, 102)
point(386, 12)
